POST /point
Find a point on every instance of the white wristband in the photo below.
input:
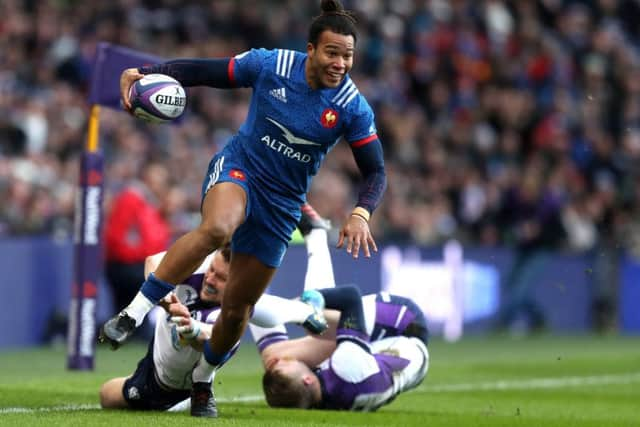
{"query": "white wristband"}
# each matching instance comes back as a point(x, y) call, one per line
point(188, 332)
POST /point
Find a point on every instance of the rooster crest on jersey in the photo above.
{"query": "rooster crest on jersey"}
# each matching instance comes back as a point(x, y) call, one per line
point(157, 98)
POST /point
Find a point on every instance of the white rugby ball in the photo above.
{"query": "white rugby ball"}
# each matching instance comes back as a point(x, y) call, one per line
point(157, 98)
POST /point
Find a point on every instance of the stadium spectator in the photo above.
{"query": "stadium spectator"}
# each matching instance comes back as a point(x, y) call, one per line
point(531, 216)
point(136, 227)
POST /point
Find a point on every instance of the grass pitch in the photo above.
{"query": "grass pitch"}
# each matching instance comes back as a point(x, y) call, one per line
point(543, 381)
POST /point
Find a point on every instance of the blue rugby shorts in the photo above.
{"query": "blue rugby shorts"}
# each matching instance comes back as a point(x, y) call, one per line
point(270, 218)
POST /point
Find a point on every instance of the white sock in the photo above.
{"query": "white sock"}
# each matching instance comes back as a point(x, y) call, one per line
point(181, 406)
point(258, 332)
point(139, 307)
point(203, 372)
point(319, 267)
point(271, 311)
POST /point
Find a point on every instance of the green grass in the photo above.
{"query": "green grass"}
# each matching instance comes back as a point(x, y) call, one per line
point(496, 381)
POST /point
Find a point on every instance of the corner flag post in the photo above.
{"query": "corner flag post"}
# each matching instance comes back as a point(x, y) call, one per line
point(87, 253)
point(109, 62)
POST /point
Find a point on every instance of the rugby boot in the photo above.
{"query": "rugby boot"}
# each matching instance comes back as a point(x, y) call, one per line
point(311, 219)
point(203, 404)
point(117, 330)
point(315, 322)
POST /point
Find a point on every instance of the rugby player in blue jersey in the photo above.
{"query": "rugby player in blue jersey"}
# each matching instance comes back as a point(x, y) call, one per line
point(302, 105)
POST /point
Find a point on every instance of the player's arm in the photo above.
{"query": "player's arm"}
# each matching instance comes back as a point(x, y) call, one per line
point(347, 322)
point(216, 72)
point(195, 333)
point(240, 71)
point(311, 349)
point(370, 160)
point(344, 315)
point(192, 332)
point(368, 155)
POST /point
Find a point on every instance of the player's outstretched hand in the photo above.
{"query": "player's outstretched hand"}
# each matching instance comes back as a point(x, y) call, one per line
point(356, 234)
point(127, 79)
point(176, 308)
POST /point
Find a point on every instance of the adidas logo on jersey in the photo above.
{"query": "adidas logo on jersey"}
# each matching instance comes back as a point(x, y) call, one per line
point(279, 94)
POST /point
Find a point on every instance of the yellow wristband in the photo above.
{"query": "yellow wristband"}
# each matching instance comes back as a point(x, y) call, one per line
point(361, 212)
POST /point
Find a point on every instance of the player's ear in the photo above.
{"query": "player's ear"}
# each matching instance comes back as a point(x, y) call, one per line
point(307, 379)
point(270, 363)
point(310, 48)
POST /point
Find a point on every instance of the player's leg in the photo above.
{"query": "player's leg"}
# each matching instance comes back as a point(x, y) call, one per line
point(272, 311)
point(248, 278)
point(111, 396)
point(410, 349)
point(268, 330)
point(319, 273)
point(223, 210)
point(314, 229)
point(274, 342)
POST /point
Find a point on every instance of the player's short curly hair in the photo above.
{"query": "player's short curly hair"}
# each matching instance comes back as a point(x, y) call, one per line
point(285, 391)
point(334, 18)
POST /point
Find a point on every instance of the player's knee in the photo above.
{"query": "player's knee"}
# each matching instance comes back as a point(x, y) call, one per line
point(348, 294)
point(105, 396)
point(217, 233)
point(111, 395)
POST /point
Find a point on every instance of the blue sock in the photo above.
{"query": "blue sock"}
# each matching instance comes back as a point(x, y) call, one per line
point(212, 358)
point(204, 372)
point(155, 289)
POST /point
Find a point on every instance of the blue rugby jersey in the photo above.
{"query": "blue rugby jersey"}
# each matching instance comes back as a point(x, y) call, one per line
point(291, 127)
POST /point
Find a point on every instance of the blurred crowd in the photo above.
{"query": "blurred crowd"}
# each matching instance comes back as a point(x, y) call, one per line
point(510, 123)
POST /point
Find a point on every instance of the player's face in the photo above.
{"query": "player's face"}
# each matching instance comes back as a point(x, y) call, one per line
point(215, 279)
point(330, 60)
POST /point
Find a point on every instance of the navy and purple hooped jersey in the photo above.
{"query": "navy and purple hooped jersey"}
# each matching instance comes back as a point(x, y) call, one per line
point(362, 376)
point(291, 127)
point(388, 315)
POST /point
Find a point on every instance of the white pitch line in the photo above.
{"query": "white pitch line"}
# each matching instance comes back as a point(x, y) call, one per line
point(533, 383)
point(48, 409)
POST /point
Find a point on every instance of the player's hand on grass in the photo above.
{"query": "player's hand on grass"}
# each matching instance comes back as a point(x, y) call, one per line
point(357, 235)
point(127, 79)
